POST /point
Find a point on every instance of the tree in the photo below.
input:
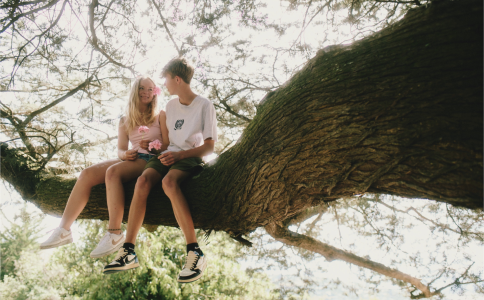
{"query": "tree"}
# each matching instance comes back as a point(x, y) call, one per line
point(161, 254)
point(18, 238)
point(435, 242)
point(71, 274)
point(399, 112)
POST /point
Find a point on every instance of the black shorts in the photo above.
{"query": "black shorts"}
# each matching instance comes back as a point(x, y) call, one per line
point(192, 165)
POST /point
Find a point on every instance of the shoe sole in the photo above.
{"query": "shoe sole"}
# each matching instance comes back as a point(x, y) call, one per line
point(108, 252)
point(202, 268)
point(121, 269)
point(61, 243)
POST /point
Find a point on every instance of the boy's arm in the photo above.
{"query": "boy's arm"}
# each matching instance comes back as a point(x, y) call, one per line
point(170, 158)
point(164, 131)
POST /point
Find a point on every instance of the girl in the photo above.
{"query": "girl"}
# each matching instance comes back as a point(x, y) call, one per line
point(140, 111)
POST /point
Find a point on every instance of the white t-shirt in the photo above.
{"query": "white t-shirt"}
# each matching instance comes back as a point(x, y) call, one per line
point(189, 125)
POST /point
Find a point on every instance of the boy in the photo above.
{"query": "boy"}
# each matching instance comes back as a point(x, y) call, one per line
point(192, 128)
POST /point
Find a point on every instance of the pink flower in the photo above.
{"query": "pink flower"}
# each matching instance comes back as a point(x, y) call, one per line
point(143, 129)
point(154, 145)
point(157, 91)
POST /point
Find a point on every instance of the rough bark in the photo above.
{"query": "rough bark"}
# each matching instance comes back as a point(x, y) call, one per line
point(399, 113)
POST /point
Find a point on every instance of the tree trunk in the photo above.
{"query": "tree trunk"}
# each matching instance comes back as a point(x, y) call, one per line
point(399, 112)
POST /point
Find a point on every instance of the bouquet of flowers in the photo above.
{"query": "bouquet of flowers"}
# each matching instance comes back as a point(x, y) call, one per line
point(154, 147)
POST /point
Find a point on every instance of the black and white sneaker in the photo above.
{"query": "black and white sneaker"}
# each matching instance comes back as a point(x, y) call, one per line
point(193, 268)
point(125, 259)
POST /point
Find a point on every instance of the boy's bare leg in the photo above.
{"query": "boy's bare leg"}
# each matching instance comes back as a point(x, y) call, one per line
point(146, 181)
point(116, 175)
point(79, 196)
point(171, 185)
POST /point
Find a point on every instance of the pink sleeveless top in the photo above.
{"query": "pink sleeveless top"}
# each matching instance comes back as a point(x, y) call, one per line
point(153, 134)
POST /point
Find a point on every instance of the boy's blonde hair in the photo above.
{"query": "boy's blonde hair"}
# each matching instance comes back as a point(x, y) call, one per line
point(180, 67)
point(132, 116)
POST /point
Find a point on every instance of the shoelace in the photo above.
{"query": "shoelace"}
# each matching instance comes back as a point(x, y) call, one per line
point(192, 260)
point(121, 255)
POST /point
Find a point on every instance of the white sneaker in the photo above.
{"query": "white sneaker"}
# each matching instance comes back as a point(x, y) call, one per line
point(59, 237)
point(110, 243)
point(193, 268)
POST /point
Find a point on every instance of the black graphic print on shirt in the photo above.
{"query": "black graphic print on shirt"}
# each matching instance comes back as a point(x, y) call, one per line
point(179, 124)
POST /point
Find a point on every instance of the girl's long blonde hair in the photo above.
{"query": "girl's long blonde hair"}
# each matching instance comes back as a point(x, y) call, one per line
point(132, 116)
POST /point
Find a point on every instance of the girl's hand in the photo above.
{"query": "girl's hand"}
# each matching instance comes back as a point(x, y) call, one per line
point(143, 144)
point(131, 154)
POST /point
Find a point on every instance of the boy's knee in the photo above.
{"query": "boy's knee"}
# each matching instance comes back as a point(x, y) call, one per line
point(142, 183)
point(169, 184)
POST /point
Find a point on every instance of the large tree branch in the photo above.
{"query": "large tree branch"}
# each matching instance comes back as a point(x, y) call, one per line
point(331, 253)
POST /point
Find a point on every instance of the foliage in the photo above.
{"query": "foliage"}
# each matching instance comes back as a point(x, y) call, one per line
point(161, 256)
point(68, 64)
point(21, 236)
point(71, 274)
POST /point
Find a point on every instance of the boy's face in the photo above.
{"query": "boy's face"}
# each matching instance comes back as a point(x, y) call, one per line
point(171, 84)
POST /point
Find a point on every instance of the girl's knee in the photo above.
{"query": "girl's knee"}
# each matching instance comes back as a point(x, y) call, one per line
point(86, 176)
point(112, 173)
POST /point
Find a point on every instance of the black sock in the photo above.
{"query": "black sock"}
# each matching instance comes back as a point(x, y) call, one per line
point(194, 247)
point(128, 246)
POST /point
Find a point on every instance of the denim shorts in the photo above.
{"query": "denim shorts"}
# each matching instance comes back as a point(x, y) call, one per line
point(145, 157)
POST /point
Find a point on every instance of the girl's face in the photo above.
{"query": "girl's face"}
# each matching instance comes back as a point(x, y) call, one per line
point(145, 91)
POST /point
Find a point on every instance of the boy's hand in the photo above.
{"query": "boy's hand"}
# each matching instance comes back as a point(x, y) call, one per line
point(169, 158)
point(131, 154)
point(143, 144)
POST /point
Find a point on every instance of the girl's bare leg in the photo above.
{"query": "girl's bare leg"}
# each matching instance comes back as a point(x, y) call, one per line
point(116, 175)
point(89, 177)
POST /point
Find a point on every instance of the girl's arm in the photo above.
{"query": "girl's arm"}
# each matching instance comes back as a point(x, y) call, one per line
point(164, 131)
point(123, 143)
